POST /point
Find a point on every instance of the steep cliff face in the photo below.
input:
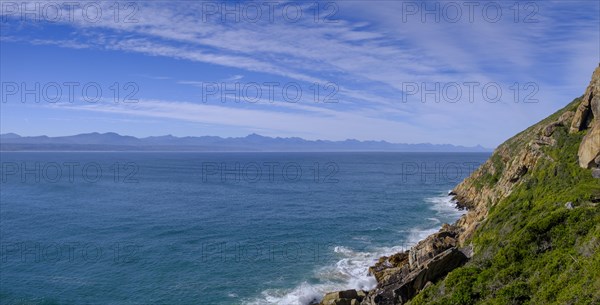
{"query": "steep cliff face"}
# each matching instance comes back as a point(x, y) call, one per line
point(500, 174)
point(497, 177)
point(533, 219)
point(532, 230)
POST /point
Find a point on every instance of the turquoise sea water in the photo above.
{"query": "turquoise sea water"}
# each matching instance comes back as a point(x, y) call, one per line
point(212, 228)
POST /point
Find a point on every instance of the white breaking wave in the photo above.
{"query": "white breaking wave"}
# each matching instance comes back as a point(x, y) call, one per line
point(417, 235)
point(445, 206)
point(301, 295)
point(435, 220)
point(351, 270)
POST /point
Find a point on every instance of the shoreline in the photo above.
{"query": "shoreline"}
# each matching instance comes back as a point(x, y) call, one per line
point(443, 205)
point(423, 261)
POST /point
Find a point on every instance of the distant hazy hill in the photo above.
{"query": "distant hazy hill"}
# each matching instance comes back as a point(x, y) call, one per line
point(113, 141)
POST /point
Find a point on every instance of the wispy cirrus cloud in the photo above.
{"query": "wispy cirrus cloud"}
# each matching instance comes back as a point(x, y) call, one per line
point(370, 53)
point(307, 122)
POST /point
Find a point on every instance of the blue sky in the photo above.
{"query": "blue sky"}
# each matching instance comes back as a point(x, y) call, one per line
point(370, 61)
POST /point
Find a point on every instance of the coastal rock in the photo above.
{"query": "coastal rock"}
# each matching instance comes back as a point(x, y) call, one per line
point(400, 288)
point(435, 269)
point(345, 297)
point(587, 116)
point(595, 104)
point(404, 274)
point(582, 117)
point(386, 266)
point(586, 111)
point(589, 149)
point(427, 249)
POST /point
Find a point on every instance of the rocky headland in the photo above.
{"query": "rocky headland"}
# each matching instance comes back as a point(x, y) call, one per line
point(534, 201)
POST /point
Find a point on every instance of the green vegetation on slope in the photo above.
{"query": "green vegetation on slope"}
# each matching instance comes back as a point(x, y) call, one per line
point(532, 249)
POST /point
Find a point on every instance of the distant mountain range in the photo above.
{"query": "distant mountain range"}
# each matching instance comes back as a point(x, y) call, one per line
point(115, 142)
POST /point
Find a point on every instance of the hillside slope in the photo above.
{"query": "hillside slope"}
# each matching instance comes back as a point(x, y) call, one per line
point(534, 219)
point(532, 231)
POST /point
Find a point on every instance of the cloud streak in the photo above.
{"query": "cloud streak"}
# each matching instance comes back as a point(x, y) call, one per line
point(370, 53)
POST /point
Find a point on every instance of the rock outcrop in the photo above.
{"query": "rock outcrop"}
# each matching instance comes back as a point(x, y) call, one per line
point(498, 176)
point(587, 116)
point(513, 159)
point(586, 111)
point(346, 297)
point(388, 266)
point(403, 275)
point(589, 150)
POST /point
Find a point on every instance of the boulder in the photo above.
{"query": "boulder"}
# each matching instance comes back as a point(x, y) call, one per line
point(437, 268)
point(518, 173)
point(566, 118)
point(345, 297)
point(340, 302)
point(403, 274)
point(581, 117)
point(431, 246)
point(388, 265)
point(400, 288)
point(587, 116)
point(550, 128)
point(546, 141)
point(595, 105)
point(589, 106)
point(589, 150)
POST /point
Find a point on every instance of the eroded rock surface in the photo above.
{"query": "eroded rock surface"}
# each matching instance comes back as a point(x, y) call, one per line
point(345, 297)
point(587, 116)
point(424, 263)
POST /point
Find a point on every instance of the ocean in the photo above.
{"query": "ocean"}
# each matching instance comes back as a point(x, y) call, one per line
point(212, 228)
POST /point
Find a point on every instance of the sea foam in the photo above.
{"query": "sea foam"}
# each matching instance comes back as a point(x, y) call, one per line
point(351, 270)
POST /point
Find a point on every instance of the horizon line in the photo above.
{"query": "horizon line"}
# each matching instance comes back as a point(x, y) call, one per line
point(242, 137)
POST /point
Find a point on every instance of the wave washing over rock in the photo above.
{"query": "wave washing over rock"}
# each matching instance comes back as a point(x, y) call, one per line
point(351, 271)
